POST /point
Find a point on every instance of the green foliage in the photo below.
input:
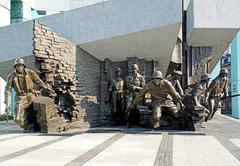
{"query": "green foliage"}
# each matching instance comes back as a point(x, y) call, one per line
point(3, 117)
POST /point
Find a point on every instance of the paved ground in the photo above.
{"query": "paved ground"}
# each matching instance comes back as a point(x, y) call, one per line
point(218, 144)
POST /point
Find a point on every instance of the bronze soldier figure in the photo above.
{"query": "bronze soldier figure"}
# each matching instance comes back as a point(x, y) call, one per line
point(133, 84)
point(216, 90)
point(115, 97)
point(66, 102)
point(162, 95)
point(195, 104)
point(22, 81)
point(174, 78)
point(198, 92)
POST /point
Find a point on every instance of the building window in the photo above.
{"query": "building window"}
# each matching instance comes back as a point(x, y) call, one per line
point(41, 12)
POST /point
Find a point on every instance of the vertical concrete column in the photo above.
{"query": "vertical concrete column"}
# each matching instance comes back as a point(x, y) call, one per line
point(235, 75)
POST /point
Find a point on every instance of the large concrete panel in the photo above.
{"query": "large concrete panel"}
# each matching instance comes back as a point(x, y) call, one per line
point(16, 41)
point(114, 18)
point(112, 29)
point(62, 5)
point(155, 44)
point(213, 23)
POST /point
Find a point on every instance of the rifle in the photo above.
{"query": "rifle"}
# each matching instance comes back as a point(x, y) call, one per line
point(226, 97)
point(7, 117)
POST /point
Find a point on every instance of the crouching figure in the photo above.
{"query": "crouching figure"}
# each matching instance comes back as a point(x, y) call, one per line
point(163, 96)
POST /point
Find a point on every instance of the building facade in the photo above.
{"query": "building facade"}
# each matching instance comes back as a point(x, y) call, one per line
point(235, 75)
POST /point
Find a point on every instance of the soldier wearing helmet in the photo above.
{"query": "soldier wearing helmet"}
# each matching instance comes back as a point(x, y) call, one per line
point(217, 89)
point(133, 84)
point(174, 78)
point(21, 80)
point(198, 92)
point(162, 95)
point(115, 97)
point(197, 96)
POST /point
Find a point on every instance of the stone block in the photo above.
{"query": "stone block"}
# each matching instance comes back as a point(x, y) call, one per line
point(45, 66)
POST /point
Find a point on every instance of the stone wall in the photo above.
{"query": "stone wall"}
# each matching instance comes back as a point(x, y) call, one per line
point(198, 58)
point(88, 86)
point(55, 57)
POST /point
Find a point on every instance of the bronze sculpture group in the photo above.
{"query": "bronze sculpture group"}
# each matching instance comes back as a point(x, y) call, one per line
point(168, 95)
point(124, 95)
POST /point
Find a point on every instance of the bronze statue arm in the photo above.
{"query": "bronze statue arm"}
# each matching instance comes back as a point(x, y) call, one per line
point(179, 88)
point(226, 89)
point(8, 93)
point(109, 90)
point(175, 95)
point(143, 82)
point(36, 79)
point(137, 87)
point(211, 86)
point(140, 96)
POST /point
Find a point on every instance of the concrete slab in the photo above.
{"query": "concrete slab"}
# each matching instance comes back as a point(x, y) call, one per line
point(132, 149)
point(9, 136)
point(201, 150)
point(61, 152)
point(21, 143)
point(236, 142)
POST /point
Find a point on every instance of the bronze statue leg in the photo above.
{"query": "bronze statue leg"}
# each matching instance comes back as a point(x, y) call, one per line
point(114, 102)
point(22, 108)
point(156, 116)
point(127, 112)
point(216, 104)
point(211, 104)
point(20, 111)
point(174, 111)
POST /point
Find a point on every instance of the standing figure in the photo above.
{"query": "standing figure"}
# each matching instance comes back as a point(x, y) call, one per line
point(174, 78)
point(133, 84)
point(115, 97)
point(162, 95)
point(22, 81)
point(216, 90)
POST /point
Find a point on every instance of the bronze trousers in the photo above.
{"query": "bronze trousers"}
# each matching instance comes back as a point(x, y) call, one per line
point(22, 108)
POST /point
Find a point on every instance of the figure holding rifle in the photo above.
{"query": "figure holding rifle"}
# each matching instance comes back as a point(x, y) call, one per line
point(217, 90)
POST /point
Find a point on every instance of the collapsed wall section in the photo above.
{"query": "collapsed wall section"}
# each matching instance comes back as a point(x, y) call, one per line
point(55, 58)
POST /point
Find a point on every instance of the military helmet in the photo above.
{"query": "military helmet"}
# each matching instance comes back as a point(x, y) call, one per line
point(157, 74)
point(19, 61)
point(205, 77)
point(118, 69)
point(177, 72)
point(223, 71)
point(135, 66)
